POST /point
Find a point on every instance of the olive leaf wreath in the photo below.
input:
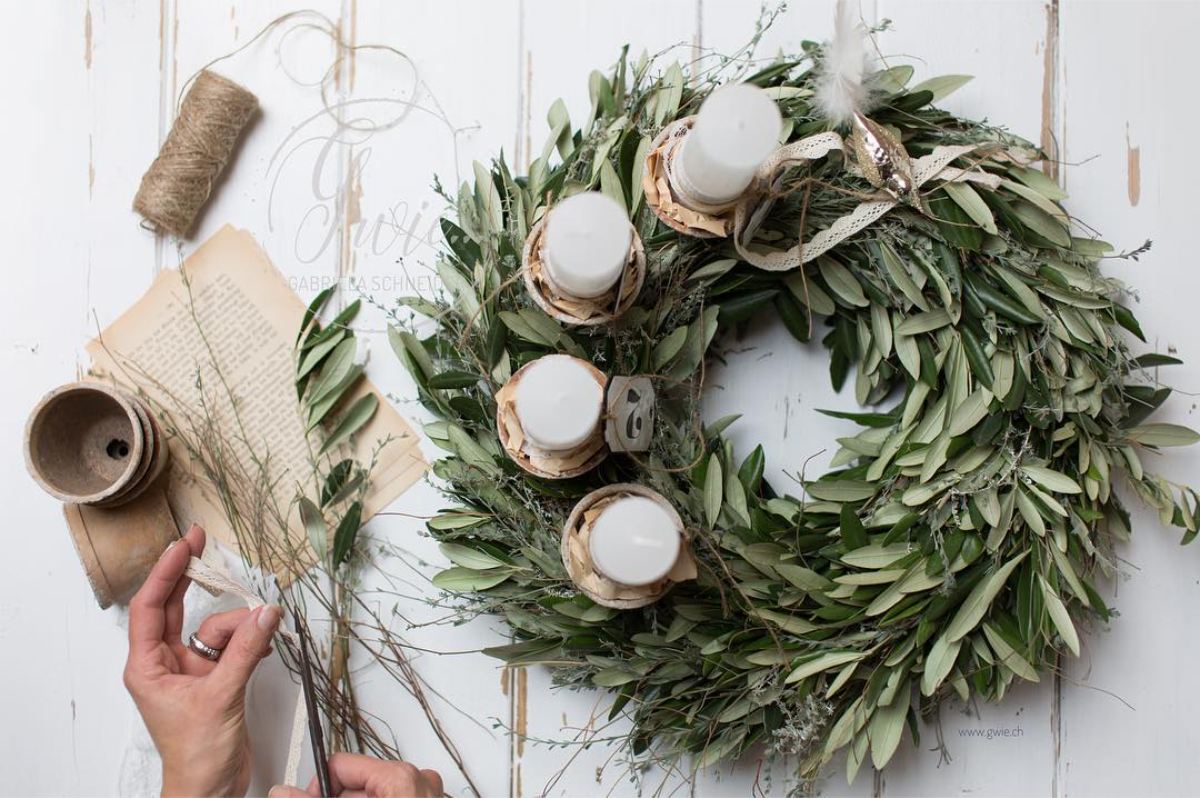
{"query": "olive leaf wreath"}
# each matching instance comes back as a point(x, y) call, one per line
point(953, 548)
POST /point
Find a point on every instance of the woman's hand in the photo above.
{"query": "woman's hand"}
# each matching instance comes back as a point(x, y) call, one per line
point(354, 775)
point(195, 709)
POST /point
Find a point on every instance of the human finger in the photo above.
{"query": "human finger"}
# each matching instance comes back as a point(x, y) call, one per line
point(195, 539)
point(147, 608)
point(250, 642)
point(215, 631)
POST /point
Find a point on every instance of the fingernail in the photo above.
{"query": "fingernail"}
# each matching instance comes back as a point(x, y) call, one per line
point(170, 546)
point(269, 617)
point(276, 791)
point(195, 527)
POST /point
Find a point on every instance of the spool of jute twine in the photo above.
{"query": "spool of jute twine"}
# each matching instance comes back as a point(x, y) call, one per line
point(211, 117)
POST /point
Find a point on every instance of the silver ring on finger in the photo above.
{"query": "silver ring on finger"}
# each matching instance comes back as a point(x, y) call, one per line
point(203, 649)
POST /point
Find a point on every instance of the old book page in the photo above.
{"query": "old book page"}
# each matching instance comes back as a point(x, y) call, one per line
point(235, 310)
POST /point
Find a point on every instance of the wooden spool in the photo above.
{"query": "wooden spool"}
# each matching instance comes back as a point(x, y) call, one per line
point(100, 451)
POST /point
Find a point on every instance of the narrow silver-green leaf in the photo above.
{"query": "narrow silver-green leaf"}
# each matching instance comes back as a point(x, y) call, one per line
point(976, 605)
point(354, 418)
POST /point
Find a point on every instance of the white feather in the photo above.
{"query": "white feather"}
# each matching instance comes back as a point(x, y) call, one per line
point(840, 88)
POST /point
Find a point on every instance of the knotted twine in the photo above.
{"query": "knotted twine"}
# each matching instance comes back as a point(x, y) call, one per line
point(205, 576)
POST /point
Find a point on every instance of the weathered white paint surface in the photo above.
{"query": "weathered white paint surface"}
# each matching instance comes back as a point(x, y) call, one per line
point(89, 93)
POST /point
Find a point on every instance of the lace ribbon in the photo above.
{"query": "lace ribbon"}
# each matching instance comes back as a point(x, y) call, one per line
point(205, 576)
point(753, 210)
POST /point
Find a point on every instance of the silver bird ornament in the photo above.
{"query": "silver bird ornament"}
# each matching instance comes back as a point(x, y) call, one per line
point(883, 160)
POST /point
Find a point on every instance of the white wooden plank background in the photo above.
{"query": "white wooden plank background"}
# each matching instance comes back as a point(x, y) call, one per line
point(90, 93)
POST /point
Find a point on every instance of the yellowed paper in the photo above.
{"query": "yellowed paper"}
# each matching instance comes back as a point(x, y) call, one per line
point(249, 317)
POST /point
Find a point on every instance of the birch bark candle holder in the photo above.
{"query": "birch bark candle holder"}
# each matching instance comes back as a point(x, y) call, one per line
point(625, 546)
point(550, 416)
point(698, 168)
point(99, 450)
point(584, 264)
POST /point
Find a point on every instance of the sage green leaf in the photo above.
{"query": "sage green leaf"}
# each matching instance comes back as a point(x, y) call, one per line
point(1059, 616)
point(467, 557)
point(471, 452)
point(352, 421)
point(331, 397)
point(980, 599)
point(1036, 198)
point(610, 184)
point(459, 520)
point(1042, 183)
point(808, 293)
point(1030, 513)
point(518, 325)
point(713, 490)
point(336, 367)
point(908, 352)
point(900, 276)
point(1008, 656)
point(1163, 435)
point(666, 349)
point(969, 200)
point(804, 578)
point(314, 527)
point(711, 271)
point(1042, 223)
point(823, 662)
point(925, 322)
point(635, 178)
point(876, 556)
point(344, 491)
point(941, 87)
point(793, 624)
point(842, 282)
point(1051, 480)
point(1088, 247)
point(335, 480)
point(894, 79)
point(938, 663)
point(840, 490)
point(467, 580)
point(735, 499)
point(972, 410)
point(409, 351)
point(449, 380)
point(346, 534)
point(886, 728)
point(314, 357)
point(881, 329)
point(313, 311)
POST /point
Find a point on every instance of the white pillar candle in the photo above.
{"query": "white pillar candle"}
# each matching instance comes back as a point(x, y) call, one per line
point(587, 242)
point(634, 541)
point(737, 128)
point(558, 403)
